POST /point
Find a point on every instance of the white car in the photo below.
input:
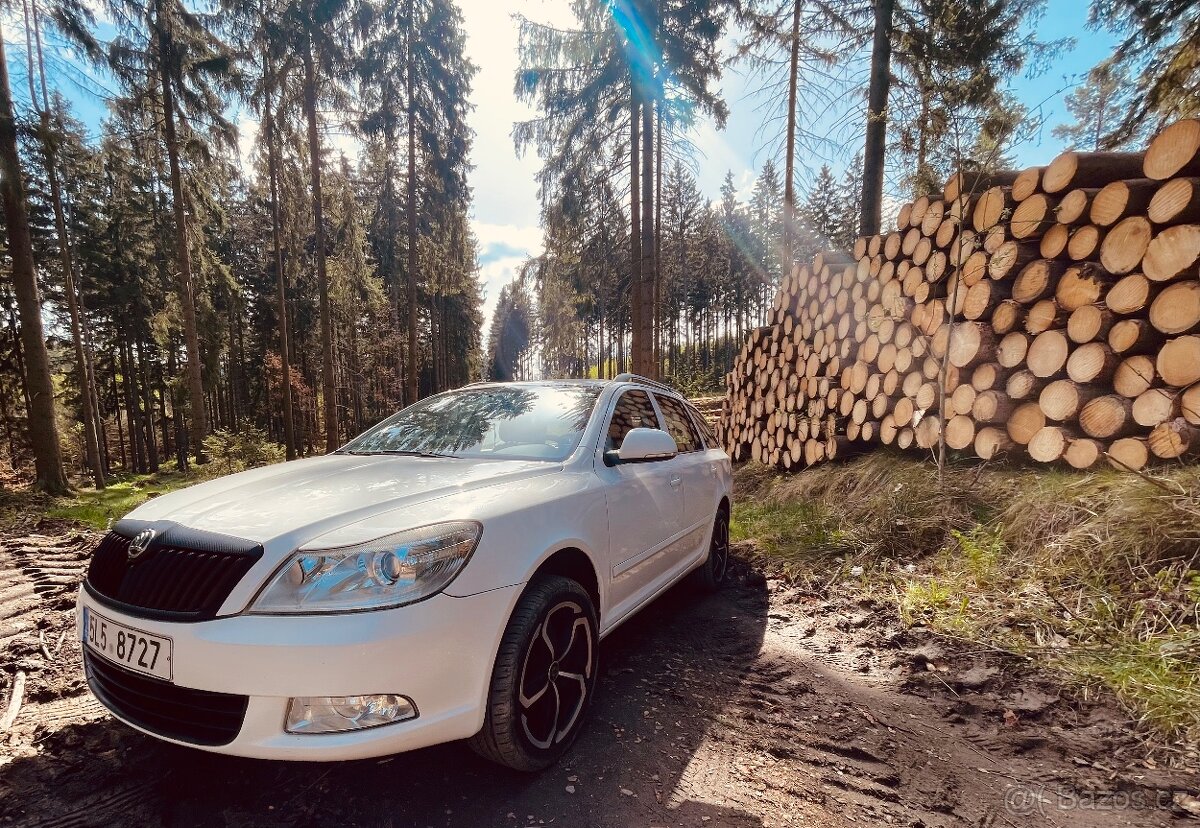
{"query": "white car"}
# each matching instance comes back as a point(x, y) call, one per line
point(446, 575)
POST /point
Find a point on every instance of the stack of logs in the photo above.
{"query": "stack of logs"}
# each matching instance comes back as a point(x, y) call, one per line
point(1054, 312)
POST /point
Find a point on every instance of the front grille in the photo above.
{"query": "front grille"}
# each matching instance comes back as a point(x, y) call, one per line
point(184, 574)
point(199, 717)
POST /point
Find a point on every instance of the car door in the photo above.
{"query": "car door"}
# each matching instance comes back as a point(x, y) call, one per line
point(645, 511)
point(696, 473)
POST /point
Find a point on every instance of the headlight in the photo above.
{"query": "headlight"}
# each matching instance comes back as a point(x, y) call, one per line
point(387, 572)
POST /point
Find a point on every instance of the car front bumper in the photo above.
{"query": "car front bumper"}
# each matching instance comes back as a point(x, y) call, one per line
point(438, 652)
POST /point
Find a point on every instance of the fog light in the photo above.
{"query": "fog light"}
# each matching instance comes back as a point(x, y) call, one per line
point(338, 714)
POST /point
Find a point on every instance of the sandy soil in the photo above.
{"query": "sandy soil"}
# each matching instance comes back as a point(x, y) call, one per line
point(759, 706)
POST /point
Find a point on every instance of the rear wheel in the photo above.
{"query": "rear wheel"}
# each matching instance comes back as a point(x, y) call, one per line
point(711, 574)
point(544, 677)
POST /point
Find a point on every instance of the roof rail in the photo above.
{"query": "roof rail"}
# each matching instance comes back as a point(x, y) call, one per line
point(640, 380)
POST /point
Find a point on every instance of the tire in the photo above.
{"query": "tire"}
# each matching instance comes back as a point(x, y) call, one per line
point(712, 574)
point(550, 651)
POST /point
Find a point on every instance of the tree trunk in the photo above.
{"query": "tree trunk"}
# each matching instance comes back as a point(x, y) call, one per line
point(877, 98)
point(285, 361)
point(328, 387)
point(414, 389)
point(90, 439)
point(789, 182)
point(43, 430)
point(191, 334)
point(659, 366)
point(645, 356)
point(636, 311)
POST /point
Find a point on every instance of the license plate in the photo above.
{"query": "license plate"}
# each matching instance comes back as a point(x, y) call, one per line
point(132, 648)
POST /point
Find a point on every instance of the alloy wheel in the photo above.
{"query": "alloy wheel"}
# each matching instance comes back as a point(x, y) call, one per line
point(719, 550)
point(555, 675)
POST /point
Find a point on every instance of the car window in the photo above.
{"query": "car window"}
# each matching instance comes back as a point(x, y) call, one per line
point(706, 434)
point(679, 425)
point(634, 410)
point(513, 422)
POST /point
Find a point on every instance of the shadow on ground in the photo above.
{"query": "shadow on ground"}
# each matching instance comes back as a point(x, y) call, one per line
point(654, 709)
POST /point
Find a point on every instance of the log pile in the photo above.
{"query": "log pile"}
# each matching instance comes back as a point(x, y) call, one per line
point(1053, 312)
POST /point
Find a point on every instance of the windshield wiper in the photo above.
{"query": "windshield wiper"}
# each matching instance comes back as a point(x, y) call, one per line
point(398, 453)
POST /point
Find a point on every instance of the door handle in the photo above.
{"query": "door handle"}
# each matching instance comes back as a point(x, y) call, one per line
point(676, 482)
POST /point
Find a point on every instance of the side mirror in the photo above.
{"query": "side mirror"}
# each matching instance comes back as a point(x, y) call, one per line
point(643, 445)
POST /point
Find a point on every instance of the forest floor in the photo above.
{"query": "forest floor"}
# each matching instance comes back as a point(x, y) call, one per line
point(774, 702)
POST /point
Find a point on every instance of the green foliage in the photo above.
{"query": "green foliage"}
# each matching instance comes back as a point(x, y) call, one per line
point(98, 508)
point(244, 448)
point(1099, 106)
point(1160, 44)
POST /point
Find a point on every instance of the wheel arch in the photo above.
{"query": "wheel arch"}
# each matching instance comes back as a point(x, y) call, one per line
point(574, 563)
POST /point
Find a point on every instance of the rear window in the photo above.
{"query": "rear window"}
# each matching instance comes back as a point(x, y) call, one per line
point(679, 424)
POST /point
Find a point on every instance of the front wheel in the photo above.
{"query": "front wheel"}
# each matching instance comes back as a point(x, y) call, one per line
point(544, 677)
point(712, 573)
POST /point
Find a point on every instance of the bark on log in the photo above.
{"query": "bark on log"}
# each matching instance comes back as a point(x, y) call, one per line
point(1120, 199)
point(1089, 322)
point(1133, 336)
point(1090, 169)
point(1173, 439)
point(1174, 152)
point(1176, 202)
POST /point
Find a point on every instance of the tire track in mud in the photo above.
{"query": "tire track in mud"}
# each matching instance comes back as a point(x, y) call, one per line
point(39, 574)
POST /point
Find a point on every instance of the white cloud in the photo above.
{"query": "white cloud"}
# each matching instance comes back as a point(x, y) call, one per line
point(503, 248)
point(528, 237)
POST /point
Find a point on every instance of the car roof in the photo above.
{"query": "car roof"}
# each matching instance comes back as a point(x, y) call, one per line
point(622, 379)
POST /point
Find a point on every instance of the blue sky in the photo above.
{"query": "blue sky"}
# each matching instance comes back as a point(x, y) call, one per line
point(506, 207)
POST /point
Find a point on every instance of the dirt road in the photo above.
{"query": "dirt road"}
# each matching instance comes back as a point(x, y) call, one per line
point(755, 707)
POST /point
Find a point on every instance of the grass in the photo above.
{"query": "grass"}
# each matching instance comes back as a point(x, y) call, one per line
point(1094, 575)
point(98, 508)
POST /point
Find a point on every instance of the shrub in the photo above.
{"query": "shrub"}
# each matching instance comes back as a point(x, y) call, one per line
point(245, 448)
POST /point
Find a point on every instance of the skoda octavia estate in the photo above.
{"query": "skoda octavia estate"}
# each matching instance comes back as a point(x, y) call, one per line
point(446, 575)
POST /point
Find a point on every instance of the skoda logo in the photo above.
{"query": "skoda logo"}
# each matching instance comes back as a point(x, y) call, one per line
point(140, 543)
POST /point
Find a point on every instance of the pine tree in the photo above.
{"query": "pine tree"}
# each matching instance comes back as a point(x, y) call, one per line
point(822, 208)
point(39, 387)
point(1161, 43)
point(1099, 106)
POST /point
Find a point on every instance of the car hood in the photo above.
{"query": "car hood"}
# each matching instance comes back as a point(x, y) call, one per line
point(305, 498)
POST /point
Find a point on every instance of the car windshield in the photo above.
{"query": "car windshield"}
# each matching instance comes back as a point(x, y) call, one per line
point(542, 422)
